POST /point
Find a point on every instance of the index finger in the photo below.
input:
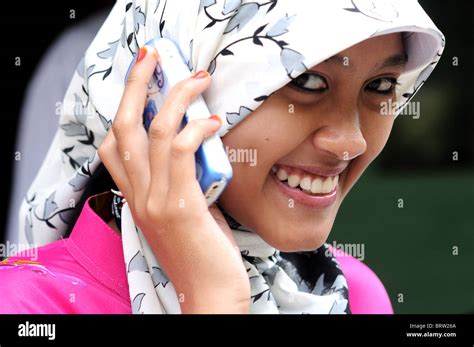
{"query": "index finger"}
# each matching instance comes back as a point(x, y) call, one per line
point(131, 136)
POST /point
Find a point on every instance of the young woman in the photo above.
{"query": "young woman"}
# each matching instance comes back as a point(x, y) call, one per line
point(304, 86)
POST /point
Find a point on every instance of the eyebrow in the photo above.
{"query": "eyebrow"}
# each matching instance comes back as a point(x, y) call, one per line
point(398, 59)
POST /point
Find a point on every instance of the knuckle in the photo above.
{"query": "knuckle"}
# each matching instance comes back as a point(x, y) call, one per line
point(116, 127)
point(198, 125)
point(140, 217)
point(139, 213)
point(104, 149)
point(198, 129)
point(152, 211)
point(180, 148)
point(133, 79)
point(120, 125)
point(103, 153)
point(158, 131)
point(181, 95)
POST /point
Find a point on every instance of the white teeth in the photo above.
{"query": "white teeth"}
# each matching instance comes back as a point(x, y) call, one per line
point(282, 175)
point(327, 185)
point(316, 186)
point(305, 183)
point(293, 180)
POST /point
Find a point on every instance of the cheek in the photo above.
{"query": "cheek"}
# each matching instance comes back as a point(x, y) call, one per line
point(376, 133)
point(253, 146)
point(266, 133)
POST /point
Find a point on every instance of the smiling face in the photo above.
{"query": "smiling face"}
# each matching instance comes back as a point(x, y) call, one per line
point(313, 139)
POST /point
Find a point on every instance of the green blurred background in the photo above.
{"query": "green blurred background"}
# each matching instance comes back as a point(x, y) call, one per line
point(412, 249)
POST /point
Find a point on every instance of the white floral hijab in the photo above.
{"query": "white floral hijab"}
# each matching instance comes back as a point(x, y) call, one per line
point(252, 48)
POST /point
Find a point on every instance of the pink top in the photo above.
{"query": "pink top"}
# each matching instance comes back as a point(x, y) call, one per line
point(85, 273)
point(367, 295)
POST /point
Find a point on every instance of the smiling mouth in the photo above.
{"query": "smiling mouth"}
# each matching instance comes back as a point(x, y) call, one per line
point(308, 183)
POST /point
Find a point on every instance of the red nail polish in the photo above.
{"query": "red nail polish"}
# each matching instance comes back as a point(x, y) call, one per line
point(141, 54)
point(216, 117)
point(201, 74)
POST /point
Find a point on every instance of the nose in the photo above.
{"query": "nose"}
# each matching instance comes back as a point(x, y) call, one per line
point(341, 135)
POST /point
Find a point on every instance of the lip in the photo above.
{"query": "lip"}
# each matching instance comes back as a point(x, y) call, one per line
point(313, 201)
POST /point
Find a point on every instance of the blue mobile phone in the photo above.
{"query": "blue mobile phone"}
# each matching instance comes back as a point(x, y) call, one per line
point(213, 169)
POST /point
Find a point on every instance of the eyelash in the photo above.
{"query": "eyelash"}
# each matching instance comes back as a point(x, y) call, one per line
point(393, 81)
point(294, 84)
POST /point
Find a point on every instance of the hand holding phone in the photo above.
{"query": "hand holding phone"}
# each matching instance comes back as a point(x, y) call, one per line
point(213, 170)
point(155, 174)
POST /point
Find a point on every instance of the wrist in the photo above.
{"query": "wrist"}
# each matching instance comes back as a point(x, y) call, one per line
point(217, 299)
point(215, 303)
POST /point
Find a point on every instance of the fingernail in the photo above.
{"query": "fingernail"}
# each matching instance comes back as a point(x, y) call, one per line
point(142, 53)
point(201, 74)
point(216, 117)
point(155, 54)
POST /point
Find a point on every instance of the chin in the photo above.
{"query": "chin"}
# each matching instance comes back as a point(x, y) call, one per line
point(296, 237)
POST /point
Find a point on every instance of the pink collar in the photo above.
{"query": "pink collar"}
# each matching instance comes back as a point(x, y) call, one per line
point(98, 248)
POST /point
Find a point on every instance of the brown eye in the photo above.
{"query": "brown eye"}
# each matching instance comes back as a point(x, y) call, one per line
point(310, 82)
point(384, 85)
